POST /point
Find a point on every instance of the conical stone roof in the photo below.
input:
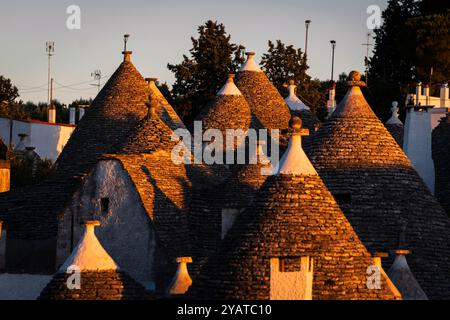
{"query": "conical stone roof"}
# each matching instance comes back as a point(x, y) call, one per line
point(165, 110)
point(229, 110)
point(268, 107)
point(100, 277)
point(237, 192)
point(150, 134)
point(378, 190)
point(293, 216)
point(441, 157)
point(112, 117)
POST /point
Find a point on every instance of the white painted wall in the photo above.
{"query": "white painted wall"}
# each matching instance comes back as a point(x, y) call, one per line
point(48, 139)
point(417, 144)
point(125, 231)
point(291, 285)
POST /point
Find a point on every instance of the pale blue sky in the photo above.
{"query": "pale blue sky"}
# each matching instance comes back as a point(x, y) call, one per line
point(160, 33)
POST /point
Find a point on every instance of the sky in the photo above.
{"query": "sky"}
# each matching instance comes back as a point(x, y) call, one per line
point(160, 33)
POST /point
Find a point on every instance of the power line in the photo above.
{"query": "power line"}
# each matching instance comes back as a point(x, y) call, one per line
point(25, 87)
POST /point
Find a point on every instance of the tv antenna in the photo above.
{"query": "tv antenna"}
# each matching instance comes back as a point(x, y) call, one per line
point(366, 59)
point(97, 74)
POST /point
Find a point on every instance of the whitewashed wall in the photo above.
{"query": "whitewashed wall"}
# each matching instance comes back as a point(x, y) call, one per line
point(48, 139)
point(125, 232)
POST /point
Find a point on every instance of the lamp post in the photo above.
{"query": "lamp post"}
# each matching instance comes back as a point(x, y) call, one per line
point(333, 46)
point(307, 23)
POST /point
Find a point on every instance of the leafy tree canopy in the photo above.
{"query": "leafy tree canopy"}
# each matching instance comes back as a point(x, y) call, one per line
point(8, 92)
point(199, 76)
point(414, 38)
point(282, 63)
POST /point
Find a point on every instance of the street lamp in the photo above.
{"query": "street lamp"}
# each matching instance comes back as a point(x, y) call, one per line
point(333, 46)
point(307, 23)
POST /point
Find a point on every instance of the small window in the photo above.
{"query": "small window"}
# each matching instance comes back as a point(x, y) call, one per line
point(290, 264)
point(343, 198)
point(104, 204)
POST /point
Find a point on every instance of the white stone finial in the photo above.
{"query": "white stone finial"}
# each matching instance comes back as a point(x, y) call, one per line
point(89, 254)
point(294, 160)
point(394, 118)
point(182, 280)
point(250, 64)
point(292, 100)
point(229, 88)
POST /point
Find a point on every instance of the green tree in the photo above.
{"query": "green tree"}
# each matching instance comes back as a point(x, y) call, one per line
point(414, 38)
point(431, 36)
point(282, 63)
point(8, 92)
point(199, 76)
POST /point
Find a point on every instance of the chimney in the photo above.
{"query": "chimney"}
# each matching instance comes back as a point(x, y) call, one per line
point(418, 92)
point(72, 112)
point(5, 176)
point(52, 114)
point(331, 103)
point(444, 96)
point(151, 81)
point(81, 113)
point(182, 281)
point(127, 56)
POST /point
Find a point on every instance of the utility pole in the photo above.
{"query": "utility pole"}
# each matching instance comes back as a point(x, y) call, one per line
point(51, 91)
point(50, 49)
point(333, 46)
point(97, 74)
point(366, 60)
point(307, 23)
